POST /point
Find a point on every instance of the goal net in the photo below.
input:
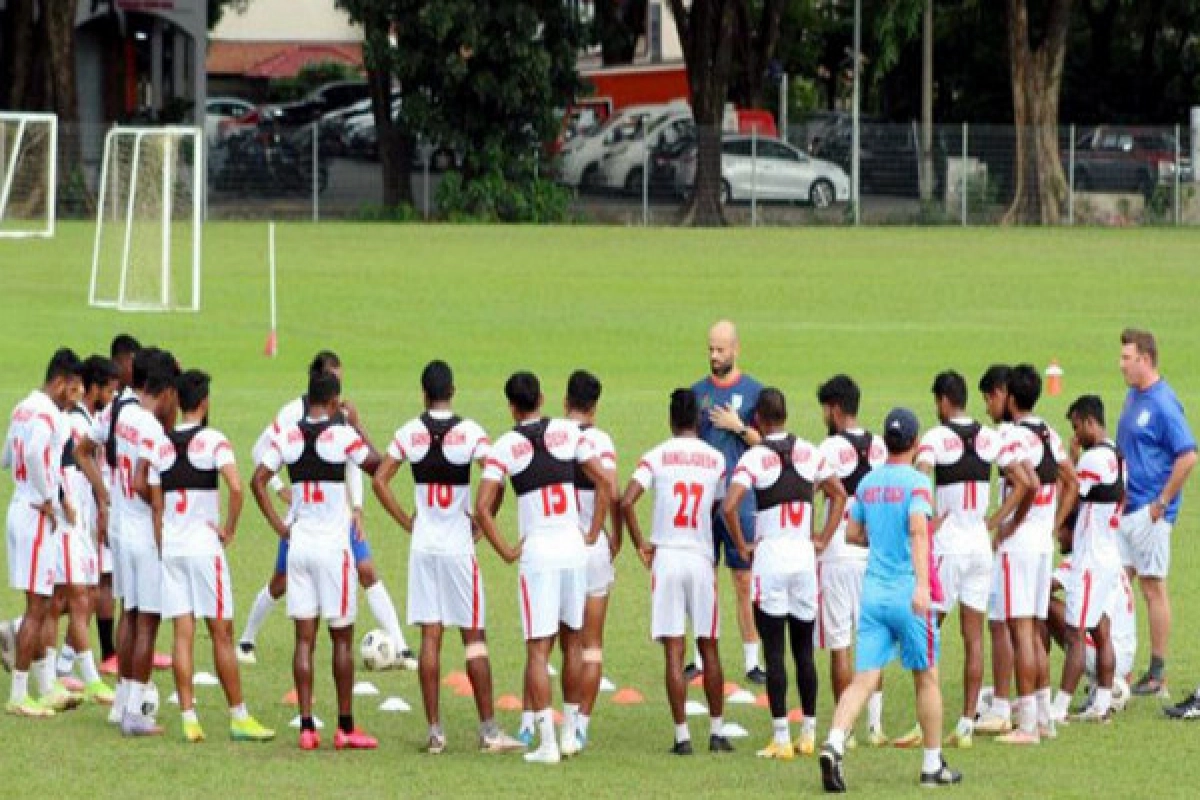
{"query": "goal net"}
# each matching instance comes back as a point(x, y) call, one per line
point(146, 255)
point(28, 173)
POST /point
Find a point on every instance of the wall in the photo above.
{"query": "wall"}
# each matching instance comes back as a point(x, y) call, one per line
point(287, 20)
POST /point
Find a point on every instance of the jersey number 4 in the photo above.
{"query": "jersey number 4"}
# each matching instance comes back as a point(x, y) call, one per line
point(688, 494)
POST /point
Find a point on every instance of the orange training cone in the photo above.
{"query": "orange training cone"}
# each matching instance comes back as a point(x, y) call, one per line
point(272, 346)
point(628, 697)
point(509, 702)
point(761, 701)
point(290, 699)
point(731, 688)
point(796, 715)
point(1054, 376)
point(698, 681)
point(455, 680)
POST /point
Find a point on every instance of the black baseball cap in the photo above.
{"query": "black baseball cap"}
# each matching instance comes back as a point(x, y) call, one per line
point(900, 429)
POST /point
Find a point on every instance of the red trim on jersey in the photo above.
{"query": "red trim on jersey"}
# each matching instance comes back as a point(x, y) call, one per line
point(1087, 474)
point(400, 447)
point(742, 469)
point(356, 444)
point(220, 588)
point(37, 548)
point(1005, 567)
point(492, 462)
point(66, 543)
point(1087, 599)
point(275, 426)
point(220, 447)
point(925, 448)
point(609, 454)
point(147, 443)
point(735, 375)
point(525, 608)
point(46, 418)
point(474, 595)
point(345, 583)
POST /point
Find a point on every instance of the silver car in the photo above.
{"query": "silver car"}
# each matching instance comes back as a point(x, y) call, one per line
point(770, 170)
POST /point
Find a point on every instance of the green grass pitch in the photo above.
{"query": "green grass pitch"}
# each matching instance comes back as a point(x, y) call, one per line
point(890, 307)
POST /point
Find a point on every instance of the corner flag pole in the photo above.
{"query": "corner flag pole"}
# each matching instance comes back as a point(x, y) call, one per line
point(272, 338)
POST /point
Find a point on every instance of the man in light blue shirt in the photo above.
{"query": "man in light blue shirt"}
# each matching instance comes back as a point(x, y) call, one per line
point(891, 514)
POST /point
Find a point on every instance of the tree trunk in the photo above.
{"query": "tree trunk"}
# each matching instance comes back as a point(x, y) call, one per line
point(60, 36)
point(395, 151)
point(20, 57)
point(927, 175)
point(1040, 184)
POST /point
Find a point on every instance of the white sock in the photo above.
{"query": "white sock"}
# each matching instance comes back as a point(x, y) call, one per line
point(581, 723)
point(1001, 708)
point(121, 696)
point(780, 728)
point(38, 668)
point(966, 726)
point(1027, 714)
point(545, 724)
point(259, 612)
point(527, 721)
point(716, 725)
point(698, 660)
point(385, 611)
point(682, 734)
point(932, 761)
point(809, 726)
point(875, 711)
point(20, 687)
point(66, 660)
point(1043, 705)
point(837, 740)
point(134, 698)
point(238, 713)
point(570, 712)
point(87, 667)
point(1103, 700)
point(750, 652)
point(1062, 701)
point(49, 664)
point(190, 716)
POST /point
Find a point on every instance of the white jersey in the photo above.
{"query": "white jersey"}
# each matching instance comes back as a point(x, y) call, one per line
point(543, 479)
point(963, 486)
point(33, 447)
point(190, 515)
point(843, 460)
point(1100, 493)
point(441, 480)
point(601, 444)
point(319, 507)
point(291, 414)
point(137, 433)
point(782, 527)
point(76, 484)
point(688, 478)
point(1018, 443)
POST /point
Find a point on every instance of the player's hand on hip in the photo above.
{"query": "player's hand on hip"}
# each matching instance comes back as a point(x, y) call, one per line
point(285, 494)
point(647, 554)
point(746, 554)
point(920, 600)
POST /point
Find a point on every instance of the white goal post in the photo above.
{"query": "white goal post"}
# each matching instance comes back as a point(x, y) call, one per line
point(149, 216)
point(28, 174)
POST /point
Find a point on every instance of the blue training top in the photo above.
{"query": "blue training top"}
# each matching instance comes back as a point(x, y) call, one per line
point(1151, 434)
point(885, 499)
point(742, 394)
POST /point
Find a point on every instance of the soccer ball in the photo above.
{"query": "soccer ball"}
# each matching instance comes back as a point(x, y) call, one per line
point(378, 651)
point(150, 700)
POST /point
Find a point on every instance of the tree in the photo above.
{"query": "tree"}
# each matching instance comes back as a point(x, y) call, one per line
point(617, 27)
point(756, 38)
point(1037, 50)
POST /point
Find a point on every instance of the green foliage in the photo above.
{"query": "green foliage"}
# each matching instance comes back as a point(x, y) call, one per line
point(217, 9)
point(493, 198)
point(310, 77)
point(372, 212)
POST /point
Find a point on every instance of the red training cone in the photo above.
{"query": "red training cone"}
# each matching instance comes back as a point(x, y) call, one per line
point(272, 346)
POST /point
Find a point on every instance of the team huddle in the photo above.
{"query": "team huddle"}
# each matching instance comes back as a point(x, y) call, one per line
point(118, 480)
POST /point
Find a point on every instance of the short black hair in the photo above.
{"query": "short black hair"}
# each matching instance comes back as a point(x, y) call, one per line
point(1024, 386)
point(97, 371)
point(437, 381)
point(685, 411)
point(840, 391)
point(193, 389)
point(1088, 406)
point(583, 390)
point(63, 364)
point(996, 377)
point(162, 370)
point(142, 360)
point(123, 345)
point(323, 387)
point(772, 406)
point(524, 391)
point(952, 386)
point(324, 361)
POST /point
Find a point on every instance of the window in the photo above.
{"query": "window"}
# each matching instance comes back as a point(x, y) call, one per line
point(736, 147)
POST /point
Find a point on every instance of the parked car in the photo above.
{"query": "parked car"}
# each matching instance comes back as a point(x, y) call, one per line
point(623, 165)
point(579, 160)
point(769, 169)
point(889, 156)
point(1114, 159)
point(219, 109)
point(664, 162)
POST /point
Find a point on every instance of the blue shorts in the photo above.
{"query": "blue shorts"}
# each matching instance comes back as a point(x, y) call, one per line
point(887, 625)
point(358, 546)
point(723, 540)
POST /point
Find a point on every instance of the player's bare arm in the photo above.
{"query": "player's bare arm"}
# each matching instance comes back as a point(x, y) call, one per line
point(614, 512)
point(381, 482)
point(485, 505)
point(258, 487)
point(918, 537)
point(1179, 474)
point(729, 511)
point(725, 418)
point(156, 514)
point(835, 503)
point(233, 508)
point(1068, 493)
point(602, 480)
point(141, 482)
point(856, 533)
point(629, 511)
point(1021, 492)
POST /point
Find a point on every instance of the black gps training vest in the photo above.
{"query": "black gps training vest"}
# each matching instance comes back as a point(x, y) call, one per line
point(1109, 492)
point(970, 468)
point(435, 468)
point(119, 404)
point(544, 469)
point(1047, 468)
point(310, 467)
point(862, 449)
point(790, 487)
point(184, 475)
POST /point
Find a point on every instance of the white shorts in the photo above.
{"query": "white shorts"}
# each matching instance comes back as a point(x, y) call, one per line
point(1020, 586)
point(600, 572)
point(966, 578)
point(839, 587)
point(142, 576)
point(786, 595)
point(118, 584)
point(197, 586)
point(76, 564)
point(321, 583)
point(683, 586)
point(105, 560)
point(445, 590)
point(1091, 592)
point(1145, 545)
point(550, 597)
point(32, 550)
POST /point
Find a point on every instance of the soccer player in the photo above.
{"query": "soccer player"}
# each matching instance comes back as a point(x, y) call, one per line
point(1095, 561)
point(378, 597)
point(33, 449)
point(852, 452)
point(582, 400)
point(892, 509)
point(688, 479)
point(539, 456)
point(783, 473)
point(315, 452)
point(1025, 550)
point(187, 467)
point(959, 453)
point(727, 399)
point(445, 587)
point(1160, 453)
